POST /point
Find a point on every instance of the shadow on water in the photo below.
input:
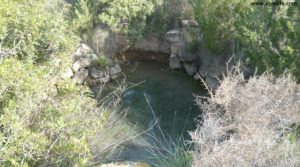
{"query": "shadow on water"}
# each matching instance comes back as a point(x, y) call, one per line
point(161, 101)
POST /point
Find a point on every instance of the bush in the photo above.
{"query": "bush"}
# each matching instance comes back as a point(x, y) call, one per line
point(125, 16)
point(171, 154)
point(248, 122)
point(167, 15)
point(34, 30)
point(46, 121)
point(268, 36)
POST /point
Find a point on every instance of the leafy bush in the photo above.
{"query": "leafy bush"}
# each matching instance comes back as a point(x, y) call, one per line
point(125, 16)
point(167, 14)
point(249, 122)
point(45, 121)
point(34, 30)
point(268, 36)
point(83, 21)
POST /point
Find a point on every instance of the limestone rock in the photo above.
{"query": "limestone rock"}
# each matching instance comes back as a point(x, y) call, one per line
point(76, 66)
point(212, 82)
point(174, 62)
point(173, 36)
point(104, 79)
point(81, 51)
point(197, 76)
point(115, 69)
point(97, 73)
point(189, 23)
point(152, 43)
point(80, 76)
point(84, 61)
point(190, 69)
point(67, 74)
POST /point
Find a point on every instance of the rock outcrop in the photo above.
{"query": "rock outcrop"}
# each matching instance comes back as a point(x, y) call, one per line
point(183, 47)
point(88, 69)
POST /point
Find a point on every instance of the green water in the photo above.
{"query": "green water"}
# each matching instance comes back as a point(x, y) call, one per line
point(166, 96)
point(159, 102)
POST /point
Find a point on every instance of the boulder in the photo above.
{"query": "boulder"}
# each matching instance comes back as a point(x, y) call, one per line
point(81, 51)
point(190, 69)
point(212, 82)
point(189, 23)
point(174, 62)
point(84, 61)
point(80, 76)
point(173, 36)
point(197, 76)
point(76, 66)
point(176, 48)
point(97, 73)
point(67, 74)
point(104, 79)
point(152, 43)
point(115, 69)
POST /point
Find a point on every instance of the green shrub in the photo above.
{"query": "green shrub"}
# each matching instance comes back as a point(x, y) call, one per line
point(268, 35)
point(172, 154)
point(83, 20)
point(47, 121)
point(125, 16)
point(34, 30)
point(167, 15)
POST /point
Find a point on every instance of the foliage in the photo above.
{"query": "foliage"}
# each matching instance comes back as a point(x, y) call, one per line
point(51, 122)
point(84, 13)
point(44, 120)
point(245, 122)
point(171, 155)
point(34, 30)
point(267, 35)
point(125, 16)
point(167, 14)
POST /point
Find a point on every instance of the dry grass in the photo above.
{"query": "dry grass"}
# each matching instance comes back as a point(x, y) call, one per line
point(246, 122)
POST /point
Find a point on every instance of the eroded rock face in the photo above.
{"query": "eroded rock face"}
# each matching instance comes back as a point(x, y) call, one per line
point(174, 62)
point(114, 70)
point(80, 76)
point(152, 43)
point(190, 68)
point(87, 68)
point(97, 73)
point(67, 74)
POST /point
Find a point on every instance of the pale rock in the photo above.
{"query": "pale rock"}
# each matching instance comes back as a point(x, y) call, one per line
point(115, 69)
point(190, 69)
point(173, 36)
point(81, 51)
point(212, 82)
point(97, 73)
point(197, 77)
point(174, 62)
point(189, 23)
point(67, 74)
point(80, 76)
point(76, 66)
point(104, 79)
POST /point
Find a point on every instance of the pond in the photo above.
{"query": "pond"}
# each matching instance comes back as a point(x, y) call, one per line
point(161, 103)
